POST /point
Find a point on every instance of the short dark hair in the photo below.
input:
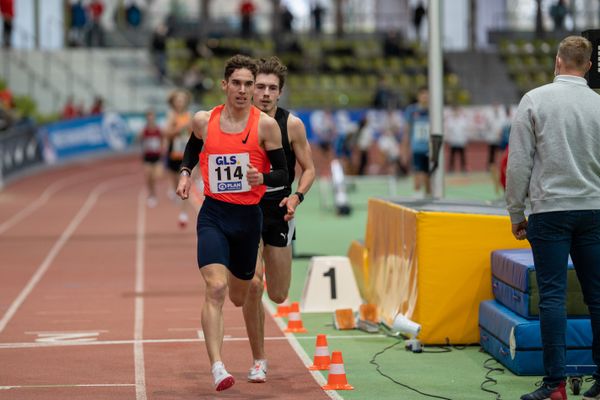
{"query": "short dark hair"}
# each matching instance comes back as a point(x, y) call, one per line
point(575, 52)
point(273, 65)
point(239, 62)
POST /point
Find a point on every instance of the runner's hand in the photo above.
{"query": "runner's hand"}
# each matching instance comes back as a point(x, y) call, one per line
point(291, 203)
point(254, 177)
point(183, 187)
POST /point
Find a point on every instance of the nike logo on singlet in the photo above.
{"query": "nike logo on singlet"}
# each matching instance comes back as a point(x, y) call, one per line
point(246, 139)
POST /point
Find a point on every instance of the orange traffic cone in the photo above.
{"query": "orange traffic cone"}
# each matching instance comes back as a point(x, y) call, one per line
point(295, 322)
point(283, 309)
point(321, 359)
point(337, 375)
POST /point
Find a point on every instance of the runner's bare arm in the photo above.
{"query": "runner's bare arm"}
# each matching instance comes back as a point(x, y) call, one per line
point(301, 148)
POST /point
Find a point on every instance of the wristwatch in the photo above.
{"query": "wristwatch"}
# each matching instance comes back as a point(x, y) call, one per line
point(184, 172)
point(300, 196)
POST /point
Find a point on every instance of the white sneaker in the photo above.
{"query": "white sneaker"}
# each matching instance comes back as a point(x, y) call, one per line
point(151, 201)
point(183, 219)
point(223, 379)
point(258, 372)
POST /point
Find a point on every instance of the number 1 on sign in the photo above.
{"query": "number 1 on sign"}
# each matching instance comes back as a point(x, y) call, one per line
point(331, 274)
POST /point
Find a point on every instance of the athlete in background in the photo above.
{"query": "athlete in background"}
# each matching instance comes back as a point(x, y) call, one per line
point(278, 206)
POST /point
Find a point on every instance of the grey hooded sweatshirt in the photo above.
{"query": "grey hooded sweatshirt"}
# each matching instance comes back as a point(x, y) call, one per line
point(554, 150)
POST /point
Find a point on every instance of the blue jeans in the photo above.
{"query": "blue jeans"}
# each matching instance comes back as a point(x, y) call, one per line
point(553, 236)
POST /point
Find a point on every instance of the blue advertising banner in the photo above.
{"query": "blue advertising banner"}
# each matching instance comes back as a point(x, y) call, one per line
point(67, 139)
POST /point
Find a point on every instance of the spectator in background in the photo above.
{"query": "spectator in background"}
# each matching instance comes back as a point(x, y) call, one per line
point(505, 134)
point(558, 12)
point(456, 137)
point(7, 105)
point(496, 119)
point(389, 143)
point(418, 13)
point(323, 125)
point(247, 10)
point(393, 45)
point(6, 96)
point(416, 140)
point(133, 14)
point(504, 147)
point(365, 136)
point(8, 14)
point(317, 12)
point(96, 31)
point(384, 97)
point(193, 81)
point(287, 19)
point(97, 106)
point(159, 50)
point(69, 110)
point(78, 24)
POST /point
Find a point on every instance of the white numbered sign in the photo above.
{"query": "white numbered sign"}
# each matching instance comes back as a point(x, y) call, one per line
point(330, 285)
point(227, 172)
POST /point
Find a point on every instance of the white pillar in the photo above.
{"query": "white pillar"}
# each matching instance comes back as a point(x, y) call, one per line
point(436, 97)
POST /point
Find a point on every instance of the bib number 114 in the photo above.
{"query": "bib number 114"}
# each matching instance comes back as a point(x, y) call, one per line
point(226, 173)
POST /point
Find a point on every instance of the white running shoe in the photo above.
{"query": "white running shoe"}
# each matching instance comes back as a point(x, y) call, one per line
point(183, 219)
point(223, 379)
point(151, 201)
point(258, 372)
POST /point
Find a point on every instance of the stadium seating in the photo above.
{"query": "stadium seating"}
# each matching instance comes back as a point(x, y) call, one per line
point(330, 72)
point(530, 63)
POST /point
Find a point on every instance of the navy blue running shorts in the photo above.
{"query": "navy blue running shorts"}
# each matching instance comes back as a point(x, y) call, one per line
point(229, 234)
point(420, 162)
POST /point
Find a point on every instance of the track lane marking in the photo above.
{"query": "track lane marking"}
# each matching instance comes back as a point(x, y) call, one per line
point(44, 197)
point(57, 247)
point(28, 345)
point(138, 330)
point(66, 385)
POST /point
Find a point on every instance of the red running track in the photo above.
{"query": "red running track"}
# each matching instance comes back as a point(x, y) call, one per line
point(100, 297)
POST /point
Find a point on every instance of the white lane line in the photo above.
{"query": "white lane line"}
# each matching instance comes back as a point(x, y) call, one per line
point(293, 340)
point(43, 199)
point(31, 345)
point(75, 385)
point(65, 312)
point(56, 248)
point(138, 330)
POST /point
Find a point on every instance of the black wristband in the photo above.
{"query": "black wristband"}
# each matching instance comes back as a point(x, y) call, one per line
point(300, 196)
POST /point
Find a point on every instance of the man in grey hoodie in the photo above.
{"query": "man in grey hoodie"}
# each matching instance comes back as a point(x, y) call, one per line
point(554, 160)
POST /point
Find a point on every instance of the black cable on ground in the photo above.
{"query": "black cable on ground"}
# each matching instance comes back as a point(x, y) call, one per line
point(378, 369)
point(489, 381)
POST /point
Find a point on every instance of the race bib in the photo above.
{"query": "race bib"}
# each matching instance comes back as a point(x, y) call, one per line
point(179, 144)
point(421, 131)
point(152, 145)
point(227, 172)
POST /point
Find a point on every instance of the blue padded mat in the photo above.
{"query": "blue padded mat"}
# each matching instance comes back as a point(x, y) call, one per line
point(514, 284)
point(515, 341)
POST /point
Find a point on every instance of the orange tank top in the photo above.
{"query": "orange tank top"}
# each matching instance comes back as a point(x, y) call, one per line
point(177, 145)
point(225, 157)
